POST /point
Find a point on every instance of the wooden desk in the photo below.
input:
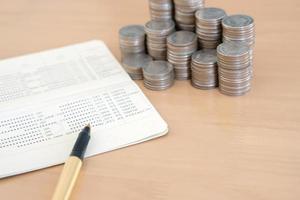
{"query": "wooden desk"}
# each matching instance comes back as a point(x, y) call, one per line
point(218, 148)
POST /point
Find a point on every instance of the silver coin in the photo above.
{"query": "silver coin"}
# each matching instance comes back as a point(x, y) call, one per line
point(160, 26)
point(158, 88)
point(186, 27)
point(127, 50)
point(238, 21)
point(210, 14)
point(161, 5)
point(204, 69)
point(232, 50)
point(208, 27)
point(205, 56)
point(234, 68)
point(189, 5)
point(184, 18)
point(158, 82)
point(158, 68)
point(234, 93)
point(132, 39)
point(182, 38)
point(133, 64)
point(163, 79)
point(132, 31)
point(161, 9)
point(157, 32)
point(180, 47)
point(158, 75)
point(137, 60)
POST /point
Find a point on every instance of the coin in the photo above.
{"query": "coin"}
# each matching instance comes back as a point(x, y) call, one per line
point(185, 13)
point(158, 75)
point(134, 63)
point(132, 31)
point(238, 22)
point(240, 29)
point(211, 15)
point(234, 68)
point(208, 26)
point(181, 45)
point(132, 39)
point(204, 69)
point(161, 9)
point(232, 50)
point(182, 38)
point(157, 33)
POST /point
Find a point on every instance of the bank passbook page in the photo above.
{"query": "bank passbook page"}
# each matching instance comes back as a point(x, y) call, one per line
point(47, 98)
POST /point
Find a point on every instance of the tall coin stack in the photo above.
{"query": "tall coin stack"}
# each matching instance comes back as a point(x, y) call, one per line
point(209, 27)
point(205, 69)
point(132, 39)
point(157, 33)
point(161, 9)
point(181, 45)
point(158, 75)
point(240, 29)
point(234, 69)
point(134, 63)
point(185, 13)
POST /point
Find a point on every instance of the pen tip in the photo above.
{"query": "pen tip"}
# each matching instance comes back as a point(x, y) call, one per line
point(88, 125)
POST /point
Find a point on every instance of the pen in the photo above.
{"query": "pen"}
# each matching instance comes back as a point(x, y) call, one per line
point(72, 166)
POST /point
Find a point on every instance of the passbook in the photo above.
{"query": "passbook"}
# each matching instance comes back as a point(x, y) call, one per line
point(47, 97)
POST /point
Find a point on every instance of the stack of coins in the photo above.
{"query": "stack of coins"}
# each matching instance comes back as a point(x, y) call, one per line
point(158, 75)
point(185, 13)
point(209, 27)
point(134, 63)
point(205, 69)
point(132, 39)
point(240, 29)
point(234, 69)
point(181, 45)
point(161, 9)
point(157, 33)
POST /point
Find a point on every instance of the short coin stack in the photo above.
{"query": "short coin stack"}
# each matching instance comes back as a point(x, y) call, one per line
point(132, 39)
point(134, 63)
point(161, 9)
point(157, 33)
point(209, 27)
point(185, 13)
point(181, 46)
point(158, 75)
point(234, 69)
point(240, 29)
point(205, 69)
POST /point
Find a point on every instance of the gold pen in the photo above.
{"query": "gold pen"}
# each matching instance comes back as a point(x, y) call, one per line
point(72, 166)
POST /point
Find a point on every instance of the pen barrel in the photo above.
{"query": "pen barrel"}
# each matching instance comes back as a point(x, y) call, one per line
point(67, 178)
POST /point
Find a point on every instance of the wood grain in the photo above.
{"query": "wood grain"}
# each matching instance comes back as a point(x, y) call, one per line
point(218, 148)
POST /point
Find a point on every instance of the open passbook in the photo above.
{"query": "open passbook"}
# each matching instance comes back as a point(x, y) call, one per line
point(46, 98)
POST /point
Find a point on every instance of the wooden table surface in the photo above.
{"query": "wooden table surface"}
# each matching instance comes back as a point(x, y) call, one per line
point(218, 147)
